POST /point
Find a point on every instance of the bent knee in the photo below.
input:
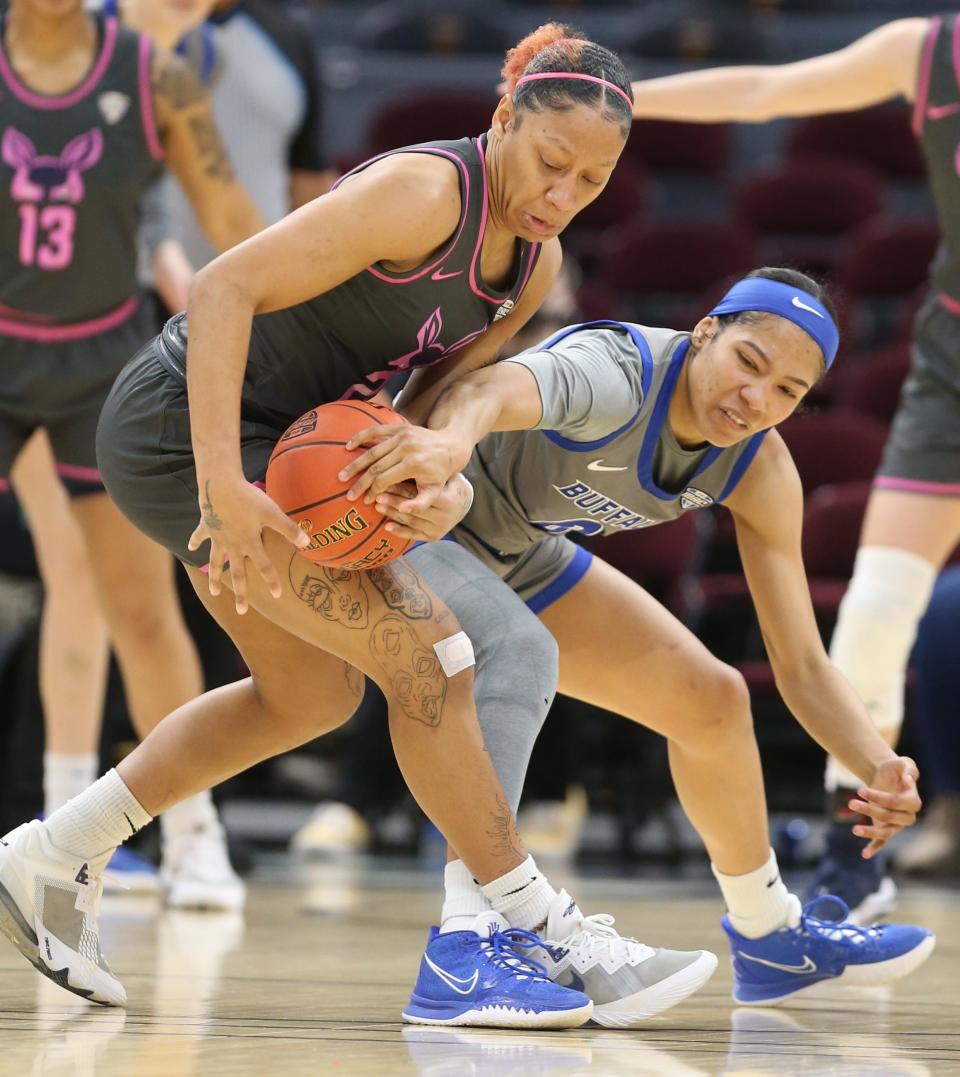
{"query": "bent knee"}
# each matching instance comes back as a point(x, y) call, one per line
point(720, 704)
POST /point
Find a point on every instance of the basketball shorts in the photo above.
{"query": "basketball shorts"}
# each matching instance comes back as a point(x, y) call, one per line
point(61, 387)
point(146, 458)
point(541, 574)
point(922, 454)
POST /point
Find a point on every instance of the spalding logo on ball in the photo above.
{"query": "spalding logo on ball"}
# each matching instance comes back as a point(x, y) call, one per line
point(302, 479)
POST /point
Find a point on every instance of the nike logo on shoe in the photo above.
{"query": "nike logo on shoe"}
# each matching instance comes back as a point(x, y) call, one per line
point(438, 274)
point(462, 987)
point(573, 981)
point(809, 965)
point(599, 465)
point(772, 881)
point(798, 302)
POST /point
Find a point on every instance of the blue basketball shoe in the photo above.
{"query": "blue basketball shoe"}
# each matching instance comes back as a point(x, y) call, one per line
point(478, 978)
point(807, 951)
point(863, 885)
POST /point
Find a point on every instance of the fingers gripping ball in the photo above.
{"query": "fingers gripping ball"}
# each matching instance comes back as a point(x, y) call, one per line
point(302, 479)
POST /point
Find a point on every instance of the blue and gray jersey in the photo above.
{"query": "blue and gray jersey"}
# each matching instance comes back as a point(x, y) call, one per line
point(603, 457)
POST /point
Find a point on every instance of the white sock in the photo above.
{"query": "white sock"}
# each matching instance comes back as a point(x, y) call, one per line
point(64, 776)
point(463, 900)
point(876, 628)
point(758, 902)
point(97, 820)
point(190, 815)
point(523, 896)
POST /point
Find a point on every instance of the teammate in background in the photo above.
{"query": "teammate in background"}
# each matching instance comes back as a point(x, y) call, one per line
point(610, 427)
point(912, 521)
point(441, 250)
point(88, 112)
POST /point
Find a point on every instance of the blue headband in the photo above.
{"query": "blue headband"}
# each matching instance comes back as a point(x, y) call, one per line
point(794, 304)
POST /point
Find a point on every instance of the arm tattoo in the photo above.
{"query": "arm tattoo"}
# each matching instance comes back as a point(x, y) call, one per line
point(402, 590)
point(177, 84)
point(412, 669)
point(210, 148)
point(503, 830)
point(210, 517)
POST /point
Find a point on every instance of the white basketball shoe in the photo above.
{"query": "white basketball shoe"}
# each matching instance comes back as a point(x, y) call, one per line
point(628, 981)
point(196, 873)
point(49, 901)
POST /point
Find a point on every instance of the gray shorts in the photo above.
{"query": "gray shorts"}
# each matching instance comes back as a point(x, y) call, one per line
point(61, 387)
point(541, 574)
point(922, 454)
point(146, 457)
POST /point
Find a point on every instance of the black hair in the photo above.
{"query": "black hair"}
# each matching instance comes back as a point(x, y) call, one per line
point(554, 47)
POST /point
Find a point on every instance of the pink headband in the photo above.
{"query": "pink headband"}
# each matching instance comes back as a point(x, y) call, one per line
point(574, 75)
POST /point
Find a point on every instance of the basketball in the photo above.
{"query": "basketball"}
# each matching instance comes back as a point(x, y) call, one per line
point(302, 479)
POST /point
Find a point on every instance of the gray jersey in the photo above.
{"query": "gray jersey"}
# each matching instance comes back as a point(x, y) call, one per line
point(603, 457)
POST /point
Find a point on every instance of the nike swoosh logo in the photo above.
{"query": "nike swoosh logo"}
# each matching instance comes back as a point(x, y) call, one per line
point(453, 981)
point(575, 983)
point(798, 302)
point(939, 112)
point(809, 965)
point(438, 274)
point(599, 465)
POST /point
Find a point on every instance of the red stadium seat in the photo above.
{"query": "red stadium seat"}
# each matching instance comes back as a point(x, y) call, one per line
point(672, 145)
point(878, 136)
point(801, 209)
point(685, 256)
point(887, 257)
point(834, 446)
point(871, 384)
point(428, 115)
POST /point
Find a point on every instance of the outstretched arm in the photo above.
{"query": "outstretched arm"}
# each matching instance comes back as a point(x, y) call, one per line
point(767, 508)
point(877, 67)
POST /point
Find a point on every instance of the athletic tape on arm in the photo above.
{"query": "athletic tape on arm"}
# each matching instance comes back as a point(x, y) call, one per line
point(455, 653)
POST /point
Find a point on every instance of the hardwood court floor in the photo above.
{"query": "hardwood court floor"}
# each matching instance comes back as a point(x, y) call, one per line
point(312, 980)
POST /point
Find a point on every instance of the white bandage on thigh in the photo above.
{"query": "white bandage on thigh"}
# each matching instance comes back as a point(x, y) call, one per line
point(875, 630)
point(455, 653)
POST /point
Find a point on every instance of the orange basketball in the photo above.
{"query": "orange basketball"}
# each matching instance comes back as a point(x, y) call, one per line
point(302, 479)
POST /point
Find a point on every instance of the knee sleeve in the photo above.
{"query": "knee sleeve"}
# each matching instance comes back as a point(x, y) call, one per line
point(516, 659)
point(876, 627)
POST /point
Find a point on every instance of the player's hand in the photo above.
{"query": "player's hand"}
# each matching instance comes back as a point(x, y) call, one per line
point(891, 801)
point(431, 524)
point(233, 516)
point(402, 453)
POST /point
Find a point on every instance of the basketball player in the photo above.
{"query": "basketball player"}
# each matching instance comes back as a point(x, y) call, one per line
point(611, 427)
point(912, 521)
point(440, 249)
point(87, 112)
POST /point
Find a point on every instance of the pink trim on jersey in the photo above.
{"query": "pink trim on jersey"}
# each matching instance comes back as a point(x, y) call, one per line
point(75, 471)
point(923, 81)
point(35, 100)
point(146, 102)
point(56, 334)
point(948, 303)
point(916, 486)
point(483, 227)
point(405, 278)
